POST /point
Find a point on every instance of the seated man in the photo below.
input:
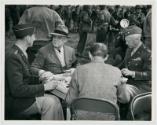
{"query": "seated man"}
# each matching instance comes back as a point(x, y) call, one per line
point(21, 96)
point(96, 79)
point(55, 57)
point(137, 63)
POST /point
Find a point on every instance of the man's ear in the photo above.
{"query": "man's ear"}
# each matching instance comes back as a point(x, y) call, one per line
point(90, 56)
point(27, 38)
point(105, 59)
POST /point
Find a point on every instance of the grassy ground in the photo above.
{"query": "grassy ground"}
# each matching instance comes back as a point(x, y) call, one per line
point(74, 38)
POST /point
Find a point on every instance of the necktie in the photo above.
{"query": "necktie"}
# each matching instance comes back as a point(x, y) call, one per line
point(59, 50)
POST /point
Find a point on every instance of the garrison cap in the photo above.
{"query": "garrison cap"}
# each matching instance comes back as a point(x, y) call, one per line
point(132, 30)
point(22, 30)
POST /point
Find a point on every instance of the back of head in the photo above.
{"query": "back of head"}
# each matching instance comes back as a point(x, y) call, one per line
point(98, 49)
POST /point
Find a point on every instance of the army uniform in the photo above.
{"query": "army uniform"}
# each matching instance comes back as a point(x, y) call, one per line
point(22, 96)
point(137, 68)
point(19, 95)
point(140, 62)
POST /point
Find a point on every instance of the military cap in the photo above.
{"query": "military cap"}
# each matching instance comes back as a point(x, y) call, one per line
point(132, 30)
point(22, 30)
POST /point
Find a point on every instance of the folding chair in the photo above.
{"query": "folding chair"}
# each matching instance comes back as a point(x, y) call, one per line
point(94, 109)
point(140, 107)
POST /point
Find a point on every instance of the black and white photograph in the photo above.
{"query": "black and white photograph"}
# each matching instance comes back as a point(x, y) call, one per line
point(78, 62)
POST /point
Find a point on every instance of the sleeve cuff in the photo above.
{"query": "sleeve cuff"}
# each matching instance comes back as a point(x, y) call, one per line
point(133, 74)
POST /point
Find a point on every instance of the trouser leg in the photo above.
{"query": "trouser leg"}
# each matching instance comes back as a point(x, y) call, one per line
point(126, 94)
point(48, 106)
point(82, 42)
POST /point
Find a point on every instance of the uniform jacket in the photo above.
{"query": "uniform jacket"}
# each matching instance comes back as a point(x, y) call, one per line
point(44, 19)
point(20, 93)
point(47, 59)
point(85, 21)
point(140, 62)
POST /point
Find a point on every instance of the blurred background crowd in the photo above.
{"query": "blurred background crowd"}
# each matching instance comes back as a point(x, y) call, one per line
point(71, 14)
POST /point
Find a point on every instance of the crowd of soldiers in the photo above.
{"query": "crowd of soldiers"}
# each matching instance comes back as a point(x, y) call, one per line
point(71, 14)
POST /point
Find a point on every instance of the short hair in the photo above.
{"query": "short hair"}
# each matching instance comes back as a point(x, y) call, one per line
point(98, 49)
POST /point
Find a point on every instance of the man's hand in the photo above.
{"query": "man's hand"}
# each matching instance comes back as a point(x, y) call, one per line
point(44, 75)
point(50, 85)
point(127, 72)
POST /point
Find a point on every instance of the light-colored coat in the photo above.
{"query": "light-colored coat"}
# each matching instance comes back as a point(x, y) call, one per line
point(94, 80)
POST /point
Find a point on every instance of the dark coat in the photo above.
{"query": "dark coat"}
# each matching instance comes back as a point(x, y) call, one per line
point(85, 21)
point(140, 62)
point(19, 94)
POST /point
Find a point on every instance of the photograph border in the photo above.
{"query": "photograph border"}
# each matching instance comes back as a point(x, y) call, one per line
point(79, 2)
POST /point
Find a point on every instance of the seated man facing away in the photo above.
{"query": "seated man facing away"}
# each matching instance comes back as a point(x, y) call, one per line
point(55, 57)
point(21, 96)
point(96, 79)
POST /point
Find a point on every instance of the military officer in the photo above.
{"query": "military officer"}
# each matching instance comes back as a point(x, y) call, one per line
point(22, 97)
point(137, 63)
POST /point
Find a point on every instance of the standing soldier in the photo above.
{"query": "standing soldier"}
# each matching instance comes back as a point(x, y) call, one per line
point(104, 21)
point(84, 28)
point(44, 19)
point(147, 30)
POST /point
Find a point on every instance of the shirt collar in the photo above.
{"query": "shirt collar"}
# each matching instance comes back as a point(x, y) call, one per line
point(61, 49)
point(138, 46)
point(97, 60)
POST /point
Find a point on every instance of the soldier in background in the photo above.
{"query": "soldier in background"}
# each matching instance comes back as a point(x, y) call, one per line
point(84, 28)
point(104, 21)
point(44, 19)
point(147, 30)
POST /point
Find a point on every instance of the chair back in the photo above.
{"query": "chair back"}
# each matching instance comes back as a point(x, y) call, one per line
point(140, 107)
point(96, 107)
